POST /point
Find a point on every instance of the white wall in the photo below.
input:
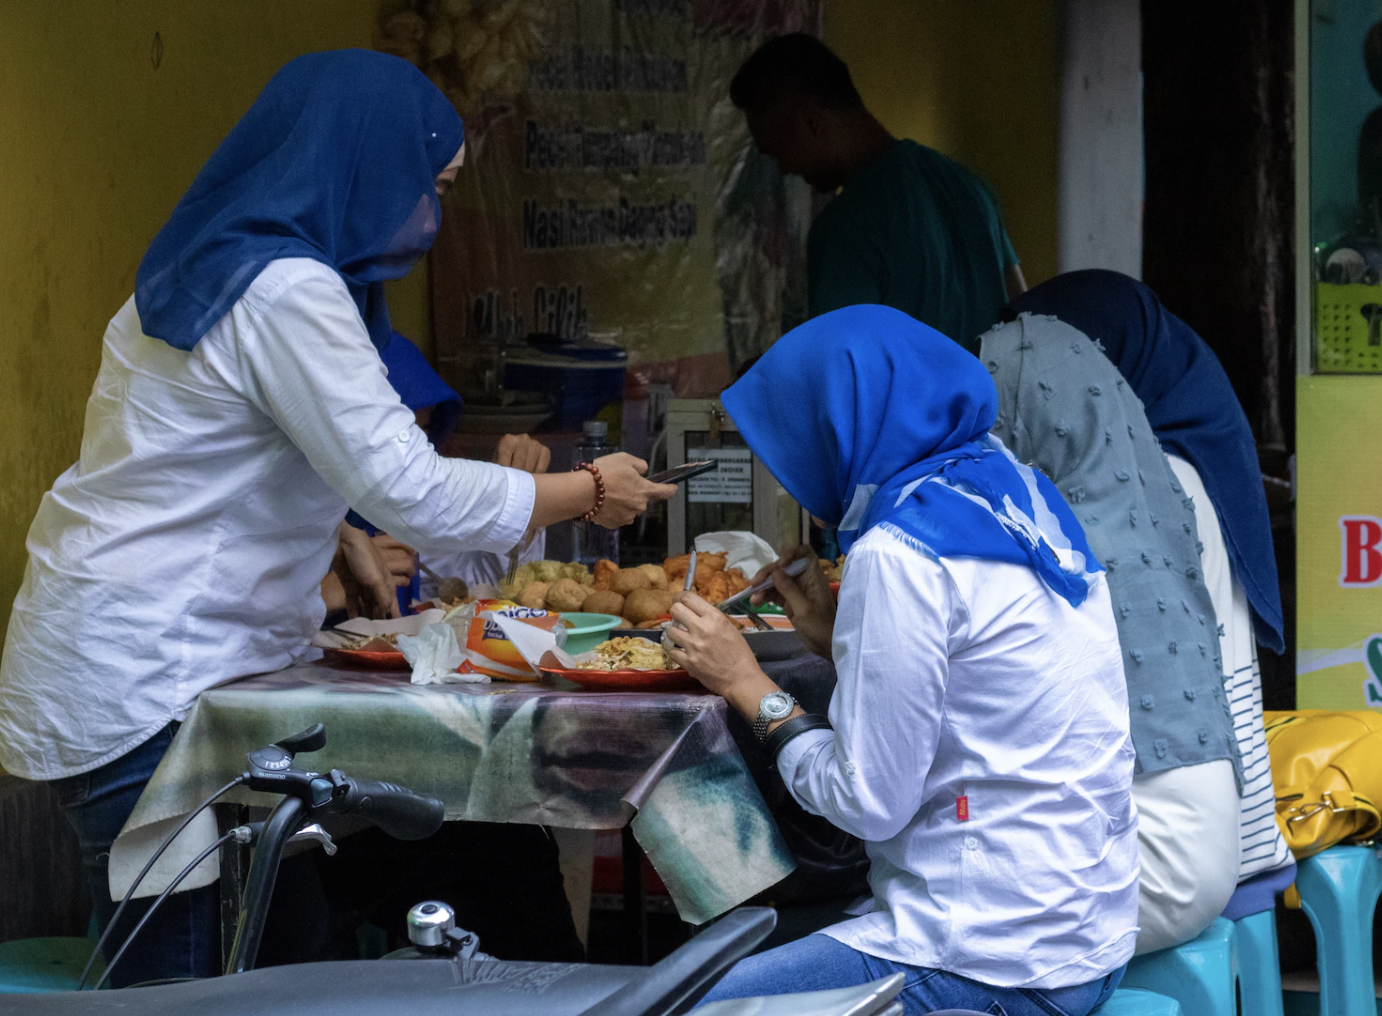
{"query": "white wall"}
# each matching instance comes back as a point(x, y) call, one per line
point(1099, 158)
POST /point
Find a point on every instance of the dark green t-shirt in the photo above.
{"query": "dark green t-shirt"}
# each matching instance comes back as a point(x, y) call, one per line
point(916, 231)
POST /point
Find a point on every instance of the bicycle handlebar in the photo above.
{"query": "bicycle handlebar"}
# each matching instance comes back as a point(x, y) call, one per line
point(396, 810)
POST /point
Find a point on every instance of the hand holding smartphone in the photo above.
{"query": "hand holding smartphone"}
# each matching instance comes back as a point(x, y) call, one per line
point(678, 474)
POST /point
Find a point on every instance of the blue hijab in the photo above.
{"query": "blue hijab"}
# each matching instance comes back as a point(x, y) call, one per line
point(868, 417)
point(420, 387)
point(335, 161)
point(1192, 408)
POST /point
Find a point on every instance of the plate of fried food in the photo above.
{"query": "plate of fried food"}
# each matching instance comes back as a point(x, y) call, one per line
point(628, 663)
point(370, 652)
point(640, 595)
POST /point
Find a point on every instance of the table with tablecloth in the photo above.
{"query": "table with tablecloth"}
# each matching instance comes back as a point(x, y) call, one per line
point(664, 763)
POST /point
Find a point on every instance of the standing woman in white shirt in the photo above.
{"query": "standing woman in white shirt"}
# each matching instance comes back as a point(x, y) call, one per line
point(240, 409)
point(978, 737)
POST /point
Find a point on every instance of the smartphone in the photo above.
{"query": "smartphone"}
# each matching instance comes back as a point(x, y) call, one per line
point(684, 472)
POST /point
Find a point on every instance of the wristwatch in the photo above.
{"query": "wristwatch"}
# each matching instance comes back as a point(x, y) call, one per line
point(774, 706)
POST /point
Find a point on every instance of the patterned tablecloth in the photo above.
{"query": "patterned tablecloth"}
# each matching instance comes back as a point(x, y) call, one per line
point(495, 753)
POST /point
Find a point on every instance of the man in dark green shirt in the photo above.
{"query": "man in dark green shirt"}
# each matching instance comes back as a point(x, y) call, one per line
point(909, 228)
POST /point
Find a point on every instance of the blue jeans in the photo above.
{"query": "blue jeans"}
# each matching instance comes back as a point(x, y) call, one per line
point(818, 963)
point(183, 937)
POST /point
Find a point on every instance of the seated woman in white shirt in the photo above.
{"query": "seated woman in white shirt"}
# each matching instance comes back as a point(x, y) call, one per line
point(978, 738)
point(239, 409)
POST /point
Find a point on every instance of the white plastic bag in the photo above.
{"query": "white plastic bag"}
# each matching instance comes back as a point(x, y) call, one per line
point(745, 551)
point(435, 654)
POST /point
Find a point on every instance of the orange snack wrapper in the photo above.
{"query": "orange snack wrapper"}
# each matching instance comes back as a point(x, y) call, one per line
point(487, 649)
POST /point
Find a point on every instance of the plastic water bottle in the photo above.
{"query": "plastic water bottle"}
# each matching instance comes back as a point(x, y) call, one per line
point(593, 541)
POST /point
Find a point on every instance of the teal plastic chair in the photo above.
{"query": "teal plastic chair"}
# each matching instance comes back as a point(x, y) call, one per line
point(1137, 1002)
point(1338, 892)
point(1202, 974)
point(1259, 965)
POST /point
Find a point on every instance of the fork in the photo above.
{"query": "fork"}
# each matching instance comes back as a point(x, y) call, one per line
point(519, 548)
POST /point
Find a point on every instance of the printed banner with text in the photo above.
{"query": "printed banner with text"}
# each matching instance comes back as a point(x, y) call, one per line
point(610, 188)
point(1339, 541)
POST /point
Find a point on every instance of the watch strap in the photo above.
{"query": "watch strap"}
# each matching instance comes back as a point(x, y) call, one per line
point(794, 727)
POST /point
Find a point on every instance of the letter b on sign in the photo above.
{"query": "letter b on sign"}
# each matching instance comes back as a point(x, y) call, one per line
point(1362, 550)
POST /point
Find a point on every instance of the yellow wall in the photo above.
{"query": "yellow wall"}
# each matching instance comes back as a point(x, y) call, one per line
point(96, 146)
point(976, 81)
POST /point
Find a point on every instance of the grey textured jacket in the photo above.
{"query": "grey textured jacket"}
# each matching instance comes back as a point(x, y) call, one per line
point(1064, 408)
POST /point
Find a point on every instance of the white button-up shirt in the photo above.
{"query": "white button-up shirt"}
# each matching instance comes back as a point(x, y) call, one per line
point(185, 547)
point(968, 684)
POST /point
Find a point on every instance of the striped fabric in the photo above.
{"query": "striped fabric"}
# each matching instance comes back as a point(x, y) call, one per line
point(1262, 847)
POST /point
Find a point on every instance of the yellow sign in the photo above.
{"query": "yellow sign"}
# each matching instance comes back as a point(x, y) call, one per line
point(1339, 543)
point(611, 189)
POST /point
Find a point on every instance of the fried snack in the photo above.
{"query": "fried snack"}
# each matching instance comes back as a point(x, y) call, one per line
point(656, 576)
point(626, 580)
point(546, 571)
point(647, 604)
point(453, 590)
point(533, 595)
point(720, 585)
point(833, 572)
point(603, 601)
point(676, 567)
point(628, 653)
point(706, 564)
point(661, 621)
point(387, 643)
point(604, 571)
point(567, 595)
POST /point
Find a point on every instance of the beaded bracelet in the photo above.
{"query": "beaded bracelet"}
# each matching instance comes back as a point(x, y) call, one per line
point(594, 471)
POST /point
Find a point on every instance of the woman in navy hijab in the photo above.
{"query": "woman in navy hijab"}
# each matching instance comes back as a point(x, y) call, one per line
point(240, 409)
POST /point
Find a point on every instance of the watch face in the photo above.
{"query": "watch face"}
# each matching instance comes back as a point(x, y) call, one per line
point(776, 705)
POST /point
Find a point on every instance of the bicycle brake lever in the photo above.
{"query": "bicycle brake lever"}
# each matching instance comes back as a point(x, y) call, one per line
point(314, 832)
point(311, 739)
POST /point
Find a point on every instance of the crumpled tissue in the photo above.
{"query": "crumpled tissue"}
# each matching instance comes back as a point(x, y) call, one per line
point(435, 654)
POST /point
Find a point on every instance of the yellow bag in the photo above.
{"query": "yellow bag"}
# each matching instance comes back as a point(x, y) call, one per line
point(1327, 769)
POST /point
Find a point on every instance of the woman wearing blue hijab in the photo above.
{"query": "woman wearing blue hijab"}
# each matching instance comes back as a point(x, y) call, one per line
point(978, 739)
point(240, 409)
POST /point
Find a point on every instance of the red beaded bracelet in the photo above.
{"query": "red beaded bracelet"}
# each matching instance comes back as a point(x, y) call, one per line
point(594, 471)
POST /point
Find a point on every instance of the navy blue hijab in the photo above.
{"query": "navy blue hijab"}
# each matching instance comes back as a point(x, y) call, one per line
point(335, 161)
point(870, 418)
point(1192, 409)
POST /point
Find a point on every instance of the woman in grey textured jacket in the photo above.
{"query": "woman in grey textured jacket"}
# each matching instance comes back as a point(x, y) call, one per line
point(1064, 408)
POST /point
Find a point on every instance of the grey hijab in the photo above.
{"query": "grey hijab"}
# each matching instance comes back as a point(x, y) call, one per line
point(1064, 408)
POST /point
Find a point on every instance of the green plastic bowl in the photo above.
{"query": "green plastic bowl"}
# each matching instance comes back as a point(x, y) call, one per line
point(588, 632)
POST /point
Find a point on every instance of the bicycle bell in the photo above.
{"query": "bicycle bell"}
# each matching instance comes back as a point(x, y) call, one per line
point(428, 924)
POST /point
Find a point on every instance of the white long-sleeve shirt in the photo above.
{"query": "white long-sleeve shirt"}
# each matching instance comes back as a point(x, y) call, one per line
point(966, 678)
point(185, 546)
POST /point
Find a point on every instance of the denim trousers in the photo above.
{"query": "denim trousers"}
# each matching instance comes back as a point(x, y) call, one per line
point(818, 963)
point(182, 939)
